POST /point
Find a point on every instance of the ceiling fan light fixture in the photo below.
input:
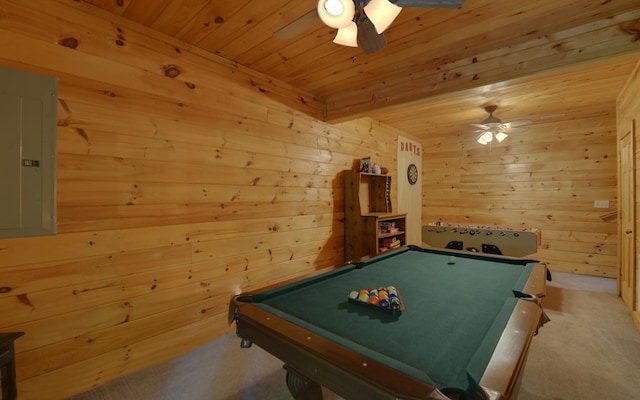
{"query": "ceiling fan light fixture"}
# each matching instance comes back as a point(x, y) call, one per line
point(500, 136)
point(336, 13)
point(381, 13)
point(334, 7)
point(492, 128)
point(347, 36)
point(485, 138)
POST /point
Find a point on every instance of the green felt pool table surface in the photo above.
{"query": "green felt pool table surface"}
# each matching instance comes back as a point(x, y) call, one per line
point(456, 310)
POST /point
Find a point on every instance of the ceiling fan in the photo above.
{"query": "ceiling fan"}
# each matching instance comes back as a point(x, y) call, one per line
point(359, 22)
point(493, 128)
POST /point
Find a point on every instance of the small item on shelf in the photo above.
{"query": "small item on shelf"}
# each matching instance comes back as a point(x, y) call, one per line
point(387, 226)
point(376, 169)
point(390, 242)
point(365, 164)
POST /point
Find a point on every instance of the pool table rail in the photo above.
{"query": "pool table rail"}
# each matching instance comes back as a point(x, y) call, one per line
point(341, 370)
point(504, 371)
point(536, 285)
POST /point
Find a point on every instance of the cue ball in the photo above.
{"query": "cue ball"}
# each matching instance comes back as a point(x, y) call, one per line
point(452, 260)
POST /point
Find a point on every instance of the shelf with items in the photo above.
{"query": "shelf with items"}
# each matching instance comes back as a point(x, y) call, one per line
point(390, 232)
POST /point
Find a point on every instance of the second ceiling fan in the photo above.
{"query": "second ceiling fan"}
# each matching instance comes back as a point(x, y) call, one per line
point(359, 22)
point(493, 128)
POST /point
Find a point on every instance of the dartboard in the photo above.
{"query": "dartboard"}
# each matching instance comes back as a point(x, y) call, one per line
point(412, 174)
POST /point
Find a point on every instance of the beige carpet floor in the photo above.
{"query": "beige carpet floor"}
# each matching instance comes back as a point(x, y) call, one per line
point(589, 351)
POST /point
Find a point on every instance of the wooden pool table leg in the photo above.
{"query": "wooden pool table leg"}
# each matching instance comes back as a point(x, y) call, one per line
point(303, 388)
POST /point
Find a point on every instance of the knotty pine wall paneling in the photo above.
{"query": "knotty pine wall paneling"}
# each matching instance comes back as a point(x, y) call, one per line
point(546, 178)
point(180, 180)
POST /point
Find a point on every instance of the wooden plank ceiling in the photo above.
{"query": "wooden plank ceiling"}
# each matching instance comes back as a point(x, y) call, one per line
point(535, 59)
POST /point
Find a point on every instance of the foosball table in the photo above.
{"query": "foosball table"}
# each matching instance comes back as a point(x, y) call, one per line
point(490, 239)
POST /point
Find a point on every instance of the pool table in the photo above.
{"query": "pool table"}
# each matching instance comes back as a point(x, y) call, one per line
point(463, 333)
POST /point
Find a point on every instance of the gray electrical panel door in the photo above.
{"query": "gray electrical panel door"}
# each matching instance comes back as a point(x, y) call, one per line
point(28, 128)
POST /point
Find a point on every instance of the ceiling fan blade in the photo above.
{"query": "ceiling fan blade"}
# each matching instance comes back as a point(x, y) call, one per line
point(298, 25)
point(520, 122)
point(517, 130)
point(429, 3)
point(481, 126)
point(369, 39)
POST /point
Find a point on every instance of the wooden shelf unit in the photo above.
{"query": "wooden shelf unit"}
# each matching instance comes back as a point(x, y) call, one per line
point(367, 208)
point(389, 240)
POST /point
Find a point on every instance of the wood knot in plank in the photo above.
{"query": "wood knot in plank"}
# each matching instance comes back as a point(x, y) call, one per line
point(632, 28)
point(25, 300)
point(69, 42)
point(171, 71)
point(83, 134)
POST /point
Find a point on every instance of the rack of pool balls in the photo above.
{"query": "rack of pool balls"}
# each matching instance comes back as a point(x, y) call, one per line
point(383, 299)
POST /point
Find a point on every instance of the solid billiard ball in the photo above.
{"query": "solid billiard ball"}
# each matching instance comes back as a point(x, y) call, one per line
point(383, 303)
point(374, 300)
point(363, 298)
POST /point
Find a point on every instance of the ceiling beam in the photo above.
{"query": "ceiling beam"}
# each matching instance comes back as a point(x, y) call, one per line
point(604, 38)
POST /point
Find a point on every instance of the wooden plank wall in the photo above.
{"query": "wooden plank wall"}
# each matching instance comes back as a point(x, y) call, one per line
point(179, 183)
point(546, 178)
